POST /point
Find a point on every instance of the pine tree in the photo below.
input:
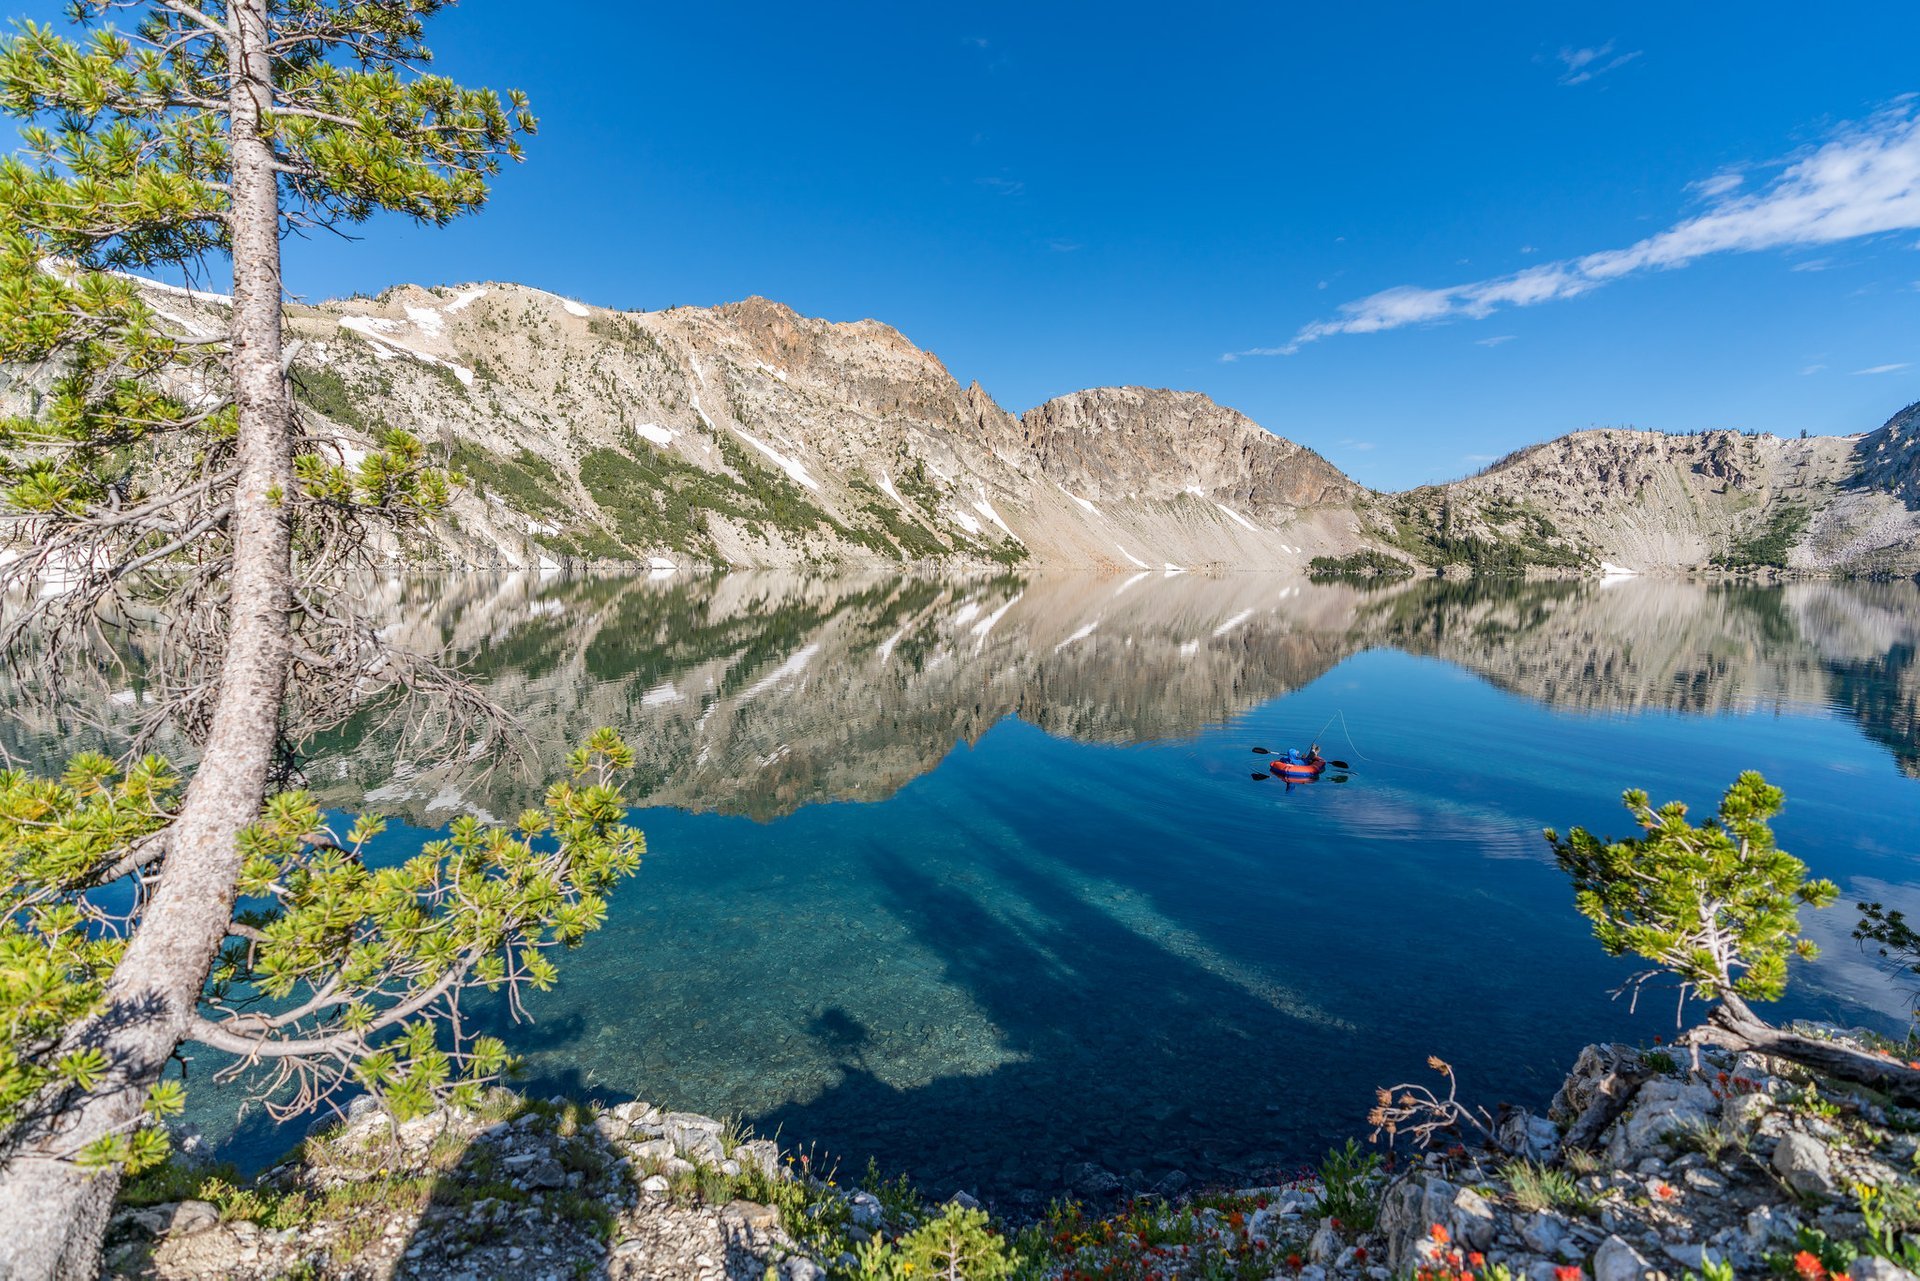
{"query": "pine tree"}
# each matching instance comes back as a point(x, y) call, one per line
point(162, 479)
point(1717, 907)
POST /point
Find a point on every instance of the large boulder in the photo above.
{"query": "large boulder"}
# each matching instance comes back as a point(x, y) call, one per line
point(1408, 1211)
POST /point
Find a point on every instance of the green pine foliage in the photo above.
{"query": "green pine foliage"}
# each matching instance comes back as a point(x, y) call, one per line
point(1716, 905)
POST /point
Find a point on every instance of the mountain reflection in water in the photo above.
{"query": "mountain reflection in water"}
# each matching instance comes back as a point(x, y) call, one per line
point(1060, 922)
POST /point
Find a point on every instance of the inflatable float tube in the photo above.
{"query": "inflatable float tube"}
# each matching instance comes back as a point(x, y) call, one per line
point(1300, 771)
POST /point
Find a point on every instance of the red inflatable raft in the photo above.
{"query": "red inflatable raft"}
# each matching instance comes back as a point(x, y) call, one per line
point(1299, 771)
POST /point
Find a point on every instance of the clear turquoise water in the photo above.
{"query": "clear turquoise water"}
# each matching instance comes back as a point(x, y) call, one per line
point(1020, 906)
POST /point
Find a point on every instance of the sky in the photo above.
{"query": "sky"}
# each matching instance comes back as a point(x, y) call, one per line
point(1411, 236)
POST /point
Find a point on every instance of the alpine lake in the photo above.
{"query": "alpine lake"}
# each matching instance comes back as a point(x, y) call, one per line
point(982, 877)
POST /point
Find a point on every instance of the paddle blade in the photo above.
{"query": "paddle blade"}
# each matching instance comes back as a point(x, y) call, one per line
point(1339, 764)
point(1259, 751)
point(1261, 776)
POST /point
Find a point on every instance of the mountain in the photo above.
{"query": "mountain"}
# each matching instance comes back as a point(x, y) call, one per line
point(1656, 502)
point(749, 435)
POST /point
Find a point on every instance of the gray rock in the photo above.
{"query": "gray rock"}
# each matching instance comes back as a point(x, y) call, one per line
point(799, 1267)
point(1711, 1182)
point(1662, 1106)
point(1473, 1220)
point(192, 1217)
point(965, 1200)
point(1869, 1268)
point(1324, 1246)
point(1615, 1260)
point(1544, 1232)
point(546, 1174)
point(652, 1150)
point(762, 1155)
point(1087, 1180)
point(655, 1183)
point(1407, 1210)
point(1695, 1257)
point(1769, 1223)
point(866, 1210)
point(1803, 1162)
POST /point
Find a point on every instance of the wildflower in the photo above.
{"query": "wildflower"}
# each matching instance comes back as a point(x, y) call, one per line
point(1807, 1264)
point(1657, 1040)
point(1570, 1272)
point(1476, 1258)
point(1359, 1254)
point(1665, 1191)
point(1439, 1234)
point(1293, 1261)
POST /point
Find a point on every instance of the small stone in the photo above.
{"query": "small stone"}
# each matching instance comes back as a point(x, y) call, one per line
point(652, 1150)
point(1695, 1257)
point(800, 1268)
point(965, 1200)
point(866, 1210)
point(1803, 1162)
point(191, 1217)
point(1473, 1221)
point(1712, 1182)
point(1615, 1260)
point(1770, 1223)
point(546, 1173)
point(1324, 1246)
point(656, 1184)
point(1543, 1232)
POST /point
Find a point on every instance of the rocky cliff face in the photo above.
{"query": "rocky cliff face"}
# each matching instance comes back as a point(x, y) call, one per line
point(750, 435)
point(1654, 502)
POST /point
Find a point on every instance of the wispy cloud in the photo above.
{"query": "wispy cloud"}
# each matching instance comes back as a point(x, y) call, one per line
point(1812, 264)
point(1864, 181)
point(1885, 369)
point(1812, 369)
point(1357, 445)
point(1494, 341)
point(1583, 65)
point(1005, 186)
point(1065, 246)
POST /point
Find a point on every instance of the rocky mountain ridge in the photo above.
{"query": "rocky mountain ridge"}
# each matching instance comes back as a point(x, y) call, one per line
point(749, 435)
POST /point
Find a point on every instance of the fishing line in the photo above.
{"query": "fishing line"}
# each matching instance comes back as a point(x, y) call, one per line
point(1348, 733)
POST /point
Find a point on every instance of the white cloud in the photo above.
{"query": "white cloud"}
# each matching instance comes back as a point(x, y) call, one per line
point(1718, 185)
point(1863, 181)
point(1885, 369)
point(1812, 369)
point(1528, 249)
point(1494, 341)
point(1812, 264)
point(1583, 65)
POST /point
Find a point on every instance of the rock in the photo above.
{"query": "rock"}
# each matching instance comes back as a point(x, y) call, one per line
point(1473, 1220)
point(965, 1200)
point(799, 1267)
point(1767, 1224)
point(656, 1184)
point(546, 1173)
point(1869, 1268)
point(1711, 1182)
point(192, 1217)
point(1694, 1257)
point(1089, 1181)
point(1324, 1246)
point(1803, 1162)
point(1544, 1232)
point(1171, 1184)
point(1408, 1210)
point(610, 1127)
point(753, 1215)
point(1615, 1260)
point(652, 1150)
point(1662, 1106)
point(762, 1155)
point(866, 1210)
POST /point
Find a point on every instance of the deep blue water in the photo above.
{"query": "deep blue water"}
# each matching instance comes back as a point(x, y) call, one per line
point(983, 904)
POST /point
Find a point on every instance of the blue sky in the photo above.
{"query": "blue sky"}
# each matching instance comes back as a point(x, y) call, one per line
point(1056, 196)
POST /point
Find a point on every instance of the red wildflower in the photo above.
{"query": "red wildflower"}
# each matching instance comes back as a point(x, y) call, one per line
point(1360, 1253)
point(1476, 1258)
point(1439, 1234)
point(1665, 1191)
point(1571, 1272)
point(1807, 1264)
point(1656, 1040)
point(1293, 1261)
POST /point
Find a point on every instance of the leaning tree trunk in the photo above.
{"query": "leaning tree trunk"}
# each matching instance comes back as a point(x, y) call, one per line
point(53, 1213)
point(1734, 1026)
